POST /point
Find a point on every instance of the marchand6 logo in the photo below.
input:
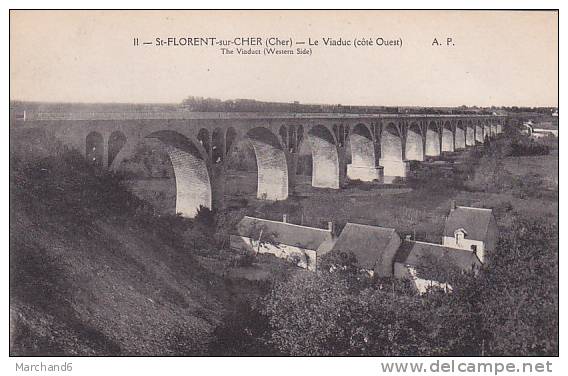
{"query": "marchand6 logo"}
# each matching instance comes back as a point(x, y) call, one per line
point(42, 367)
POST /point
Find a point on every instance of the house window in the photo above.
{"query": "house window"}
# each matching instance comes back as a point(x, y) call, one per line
point(459, 235)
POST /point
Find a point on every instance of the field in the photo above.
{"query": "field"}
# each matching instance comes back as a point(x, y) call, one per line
point(545, 166)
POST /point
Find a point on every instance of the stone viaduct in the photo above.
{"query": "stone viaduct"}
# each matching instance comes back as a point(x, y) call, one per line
point(198, 144)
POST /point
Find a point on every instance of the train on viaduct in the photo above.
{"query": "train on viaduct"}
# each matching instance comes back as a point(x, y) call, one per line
point(199, 143)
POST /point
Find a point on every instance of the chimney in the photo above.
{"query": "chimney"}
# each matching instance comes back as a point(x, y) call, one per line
point(285, 218)
point(452, 206)
point(330, 226)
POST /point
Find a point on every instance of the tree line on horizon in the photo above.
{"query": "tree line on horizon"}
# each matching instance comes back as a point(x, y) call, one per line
point(201, 104)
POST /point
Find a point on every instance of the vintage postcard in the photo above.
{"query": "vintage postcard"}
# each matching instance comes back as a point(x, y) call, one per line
point(284, 183)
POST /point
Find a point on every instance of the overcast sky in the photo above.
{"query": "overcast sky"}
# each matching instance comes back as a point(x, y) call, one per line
point(499, 58)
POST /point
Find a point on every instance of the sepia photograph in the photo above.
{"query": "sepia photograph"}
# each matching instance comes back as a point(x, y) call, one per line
point(284, 183)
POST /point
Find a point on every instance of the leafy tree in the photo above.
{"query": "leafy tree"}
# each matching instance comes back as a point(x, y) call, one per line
point(226, 223)
point(242, 332)
point(343, 261)
point(509, 307)
point(520, 291)
point(320, 314)
point(309, 315)
point(200, 234)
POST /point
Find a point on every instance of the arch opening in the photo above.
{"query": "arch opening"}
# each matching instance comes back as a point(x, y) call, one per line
point(116, 142)
point(341, 138)
point(168, 170)
point(204, 140)
point(283, 132)
point(230, 139)
point(218, 146)
point(299, 137)
point(94, 149)
point(292, 140)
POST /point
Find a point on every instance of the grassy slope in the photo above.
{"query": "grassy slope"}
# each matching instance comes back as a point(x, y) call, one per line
point(88, 277)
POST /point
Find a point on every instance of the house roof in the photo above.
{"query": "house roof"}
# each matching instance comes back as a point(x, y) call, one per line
point(413, 253)
point(283, 233)
point(475, 222)
point(367, 243)
point(326, 246)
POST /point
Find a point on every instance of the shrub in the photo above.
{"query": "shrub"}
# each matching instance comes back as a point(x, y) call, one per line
point(526, 149)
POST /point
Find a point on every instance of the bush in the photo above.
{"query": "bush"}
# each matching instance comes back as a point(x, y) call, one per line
point(344, 261)
point(242, 260)
point(519, 149)
point(435, 178)
point(242, 332)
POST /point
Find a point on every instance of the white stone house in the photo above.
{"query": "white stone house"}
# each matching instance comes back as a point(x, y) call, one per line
point(468, 234)
point(527, 128)
point(422, 263)
point(471, 229)
point(301, 245)
point(542, 132)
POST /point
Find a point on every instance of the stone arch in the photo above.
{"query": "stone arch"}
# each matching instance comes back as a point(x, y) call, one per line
point(479, 132)
point(94, 149)
point(460, 136)
point(272, 168)
point(470, 134)
point(363, 157)
point(189, 162)
point(432, 140)
point(116, 142)
point(217, 146)
point(414, 148)
point(447, 137)
point(325, 159)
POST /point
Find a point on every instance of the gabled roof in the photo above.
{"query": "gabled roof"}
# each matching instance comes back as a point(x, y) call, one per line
point(475, 221)
point(368, 243)
point(414, 253)
point(283, 233)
